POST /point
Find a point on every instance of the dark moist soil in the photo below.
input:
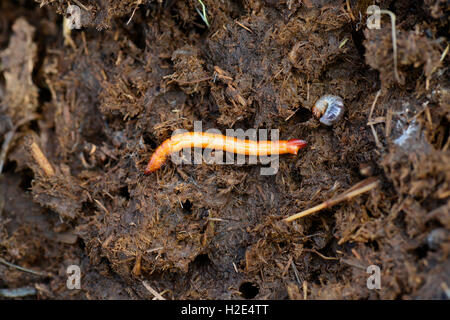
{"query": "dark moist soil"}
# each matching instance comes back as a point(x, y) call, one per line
point(99, 100)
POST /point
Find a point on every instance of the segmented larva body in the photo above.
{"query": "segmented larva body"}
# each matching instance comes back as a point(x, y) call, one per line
point(220, 142)
point(330, 109)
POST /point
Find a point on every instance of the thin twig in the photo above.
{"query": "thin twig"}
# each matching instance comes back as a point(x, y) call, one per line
point(41, 159)
point(349, 9)
point(154, 249)
point(297, 276)
point(321, 255)
point(305, 289)
point(134, 11)
point(369, 122)
point(203, 14)
point(215, 219)
point(359, 188)
point(12, 265)
point(157, 295)
point(181, 82)
point(444, 53)
point(101, 206)
point(343, 42)
point(394, 41)
point(246, 28)
point(81, 5)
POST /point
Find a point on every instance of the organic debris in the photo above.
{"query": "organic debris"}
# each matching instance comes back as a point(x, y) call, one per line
point(83, 109)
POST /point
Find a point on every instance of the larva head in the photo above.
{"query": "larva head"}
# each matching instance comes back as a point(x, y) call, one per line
point(159, 157)
point(319, 107)
point(295, 145)
point(330, 109)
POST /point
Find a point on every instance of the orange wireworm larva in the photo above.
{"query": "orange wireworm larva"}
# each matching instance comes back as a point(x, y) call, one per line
point(220, 142)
